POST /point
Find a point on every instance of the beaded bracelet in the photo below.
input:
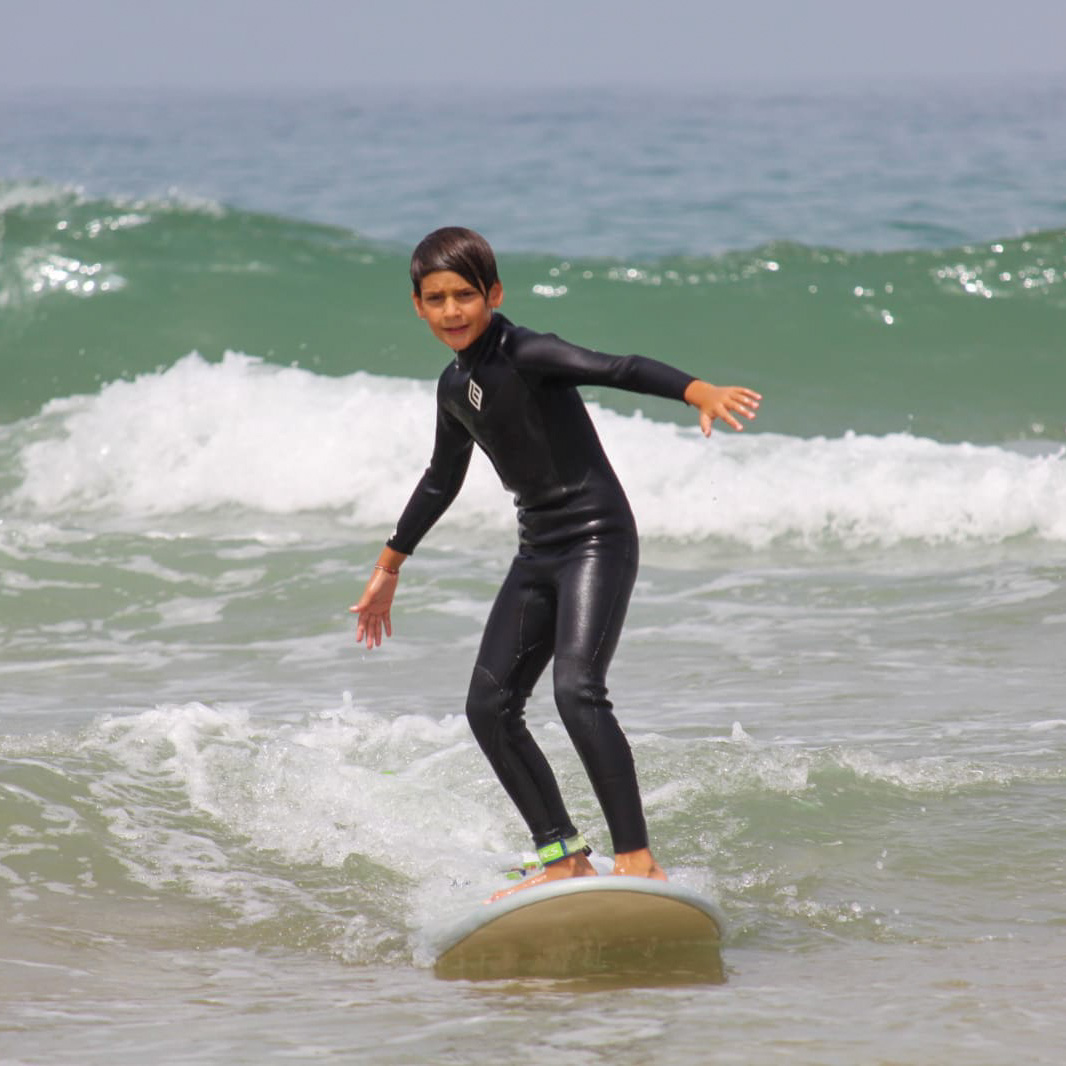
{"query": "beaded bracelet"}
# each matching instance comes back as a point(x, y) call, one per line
point(387, 569)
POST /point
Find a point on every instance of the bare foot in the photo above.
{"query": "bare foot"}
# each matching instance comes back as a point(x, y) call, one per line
point(638, 864)
point(572, 866)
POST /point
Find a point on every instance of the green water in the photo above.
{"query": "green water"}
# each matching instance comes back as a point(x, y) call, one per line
point(961, 344)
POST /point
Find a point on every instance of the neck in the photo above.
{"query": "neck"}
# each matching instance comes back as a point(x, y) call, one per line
point(469, 356)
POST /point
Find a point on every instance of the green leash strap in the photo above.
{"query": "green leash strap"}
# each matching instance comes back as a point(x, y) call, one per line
point(561, 849)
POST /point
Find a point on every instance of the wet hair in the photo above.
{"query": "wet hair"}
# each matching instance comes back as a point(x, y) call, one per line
point(462, 251)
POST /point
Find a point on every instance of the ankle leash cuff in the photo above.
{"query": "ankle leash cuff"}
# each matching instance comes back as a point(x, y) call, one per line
point(561, 849)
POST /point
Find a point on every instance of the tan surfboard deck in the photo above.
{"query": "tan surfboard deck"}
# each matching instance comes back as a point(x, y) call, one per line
point(587, 926)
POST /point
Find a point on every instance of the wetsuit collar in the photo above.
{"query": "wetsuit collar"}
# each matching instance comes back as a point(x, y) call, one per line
point(470, 357)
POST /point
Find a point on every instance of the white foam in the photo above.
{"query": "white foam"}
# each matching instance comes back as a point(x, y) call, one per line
point(409, 794)
point(854, 490)
point(16, 195)
point(21, 194)
point(932, 774)
point(240, 433)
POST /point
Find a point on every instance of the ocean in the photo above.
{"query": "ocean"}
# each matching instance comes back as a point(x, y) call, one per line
point(227, 834)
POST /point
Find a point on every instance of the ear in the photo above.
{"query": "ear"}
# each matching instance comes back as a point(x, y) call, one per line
point(417, 301)
point(495, 297)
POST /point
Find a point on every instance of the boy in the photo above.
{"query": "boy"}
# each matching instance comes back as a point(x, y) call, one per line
point(514, 393)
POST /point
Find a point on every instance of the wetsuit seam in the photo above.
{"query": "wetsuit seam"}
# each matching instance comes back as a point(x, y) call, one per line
point(479, 669)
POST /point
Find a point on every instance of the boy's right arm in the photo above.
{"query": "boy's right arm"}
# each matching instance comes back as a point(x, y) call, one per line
point(438, 487)
point(375, 604)
point(431, 498)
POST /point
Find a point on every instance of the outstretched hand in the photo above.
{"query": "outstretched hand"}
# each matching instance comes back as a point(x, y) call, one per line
point(374, 608)
point(720, 401)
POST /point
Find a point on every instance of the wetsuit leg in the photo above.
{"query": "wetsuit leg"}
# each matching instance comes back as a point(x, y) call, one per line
point(574, 605)
point(594, 587)
point(518, 642)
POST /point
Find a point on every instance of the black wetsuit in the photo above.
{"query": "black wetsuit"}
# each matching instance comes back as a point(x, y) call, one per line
point(513, 392)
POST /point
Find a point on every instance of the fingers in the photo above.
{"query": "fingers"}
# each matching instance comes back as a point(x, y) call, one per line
point(719, 410)
point(744, 401)
point(361, 627)
point(729, 420)
point(370, 630)
point(370, 625)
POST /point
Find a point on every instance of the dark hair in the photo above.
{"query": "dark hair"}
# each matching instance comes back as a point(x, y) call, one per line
point(462, 251)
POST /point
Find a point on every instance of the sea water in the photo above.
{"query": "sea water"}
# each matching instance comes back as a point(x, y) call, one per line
point(228, 833)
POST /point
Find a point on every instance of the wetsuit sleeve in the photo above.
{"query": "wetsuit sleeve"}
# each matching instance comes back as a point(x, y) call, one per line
point(550, 356)
point(440, 484)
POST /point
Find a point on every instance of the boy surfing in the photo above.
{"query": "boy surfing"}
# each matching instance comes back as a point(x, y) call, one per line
point(514, 393)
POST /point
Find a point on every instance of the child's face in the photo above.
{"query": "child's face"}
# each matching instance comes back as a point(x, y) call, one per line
point(456, 312)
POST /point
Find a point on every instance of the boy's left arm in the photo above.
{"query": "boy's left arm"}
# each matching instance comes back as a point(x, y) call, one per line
point(720, 401)
point(550, 355)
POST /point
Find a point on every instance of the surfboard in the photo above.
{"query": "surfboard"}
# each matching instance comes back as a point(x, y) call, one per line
point(588, 926)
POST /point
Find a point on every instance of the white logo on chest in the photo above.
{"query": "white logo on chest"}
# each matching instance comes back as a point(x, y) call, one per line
point(474, 394)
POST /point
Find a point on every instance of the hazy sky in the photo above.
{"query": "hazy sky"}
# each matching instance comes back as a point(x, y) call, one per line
point(255, 43)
